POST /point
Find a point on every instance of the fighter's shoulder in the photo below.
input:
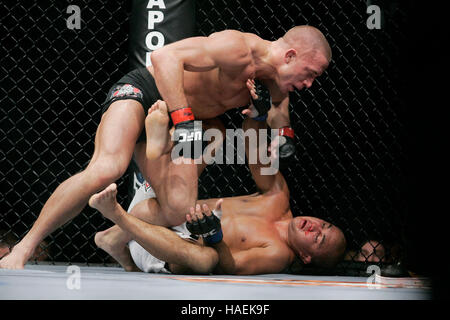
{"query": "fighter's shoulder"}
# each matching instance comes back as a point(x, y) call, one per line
point(234, 38)
point(228, 33)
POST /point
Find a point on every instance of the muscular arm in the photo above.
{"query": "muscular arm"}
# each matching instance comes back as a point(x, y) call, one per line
point(198, 54)
point(261, 260)
point(278, 115)
point(265, 183)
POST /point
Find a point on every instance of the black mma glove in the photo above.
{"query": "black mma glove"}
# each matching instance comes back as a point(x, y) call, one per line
point(186, 133)
point(261, 105)
point(286, 144)
point(208, 227)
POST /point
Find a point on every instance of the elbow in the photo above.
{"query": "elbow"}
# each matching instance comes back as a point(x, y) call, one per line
point(163, 57)
point(156, 57)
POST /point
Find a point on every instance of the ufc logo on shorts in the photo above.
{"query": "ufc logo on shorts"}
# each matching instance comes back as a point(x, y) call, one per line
point(193, 136)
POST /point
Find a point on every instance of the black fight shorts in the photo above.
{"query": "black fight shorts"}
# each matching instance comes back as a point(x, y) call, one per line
point(137, 85)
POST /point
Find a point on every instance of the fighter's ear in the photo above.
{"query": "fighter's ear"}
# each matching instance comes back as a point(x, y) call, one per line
point(290, 55)
point(306, 258)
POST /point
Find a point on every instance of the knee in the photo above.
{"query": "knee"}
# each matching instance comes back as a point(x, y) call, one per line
point(100, 239)
point(177, 207)
point(175, 216)
point(180, 196)
point(105, 171)
point(106, 239)
point(179, 200)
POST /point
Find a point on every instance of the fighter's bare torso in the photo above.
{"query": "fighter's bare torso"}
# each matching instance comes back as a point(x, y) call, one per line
point(249, 221)
point(212, 92)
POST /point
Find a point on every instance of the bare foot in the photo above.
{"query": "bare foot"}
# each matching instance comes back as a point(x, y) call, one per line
point(105, 202)
point(156, 128)
point(16, 259)
point(110, 240)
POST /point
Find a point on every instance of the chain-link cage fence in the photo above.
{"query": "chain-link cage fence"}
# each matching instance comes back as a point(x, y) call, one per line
point(348, 125)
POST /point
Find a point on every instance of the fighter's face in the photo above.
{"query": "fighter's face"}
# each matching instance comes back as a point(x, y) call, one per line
point(310, 236)
point(299, 72)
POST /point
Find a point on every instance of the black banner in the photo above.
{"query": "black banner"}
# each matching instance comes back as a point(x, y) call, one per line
point(153, 24)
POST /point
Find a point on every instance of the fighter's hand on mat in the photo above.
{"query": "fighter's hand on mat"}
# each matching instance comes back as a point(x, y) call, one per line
point(261, 102)
point(201, 221)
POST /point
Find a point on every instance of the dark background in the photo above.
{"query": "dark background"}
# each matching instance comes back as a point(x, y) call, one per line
point(424, 65)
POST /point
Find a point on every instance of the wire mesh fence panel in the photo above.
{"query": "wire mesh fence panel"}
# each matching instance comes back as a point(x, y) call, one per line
point(53, 82)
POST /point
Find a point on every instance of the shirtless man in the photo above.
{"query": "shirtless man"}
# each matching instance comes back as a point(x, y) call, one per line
point(260, 234)
point(199, 78)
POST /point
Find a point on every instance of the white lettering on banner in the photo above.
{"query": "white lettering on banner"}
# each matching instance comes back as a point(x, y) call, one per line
point(149, 41)
point(158, 3)
point(154, 17)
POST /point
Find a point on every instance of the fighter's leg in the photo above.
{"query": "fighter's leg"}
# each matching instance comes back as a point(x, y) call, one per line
point(158, 155)
point(264, 182)
point(114, 240)
point(175, 184)
point(115, 139)
point(159, 241)
point(159, 136)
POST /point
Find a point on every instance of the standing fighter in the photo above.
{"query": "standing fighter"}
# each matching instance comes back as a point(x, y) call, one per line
point(199, 78)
